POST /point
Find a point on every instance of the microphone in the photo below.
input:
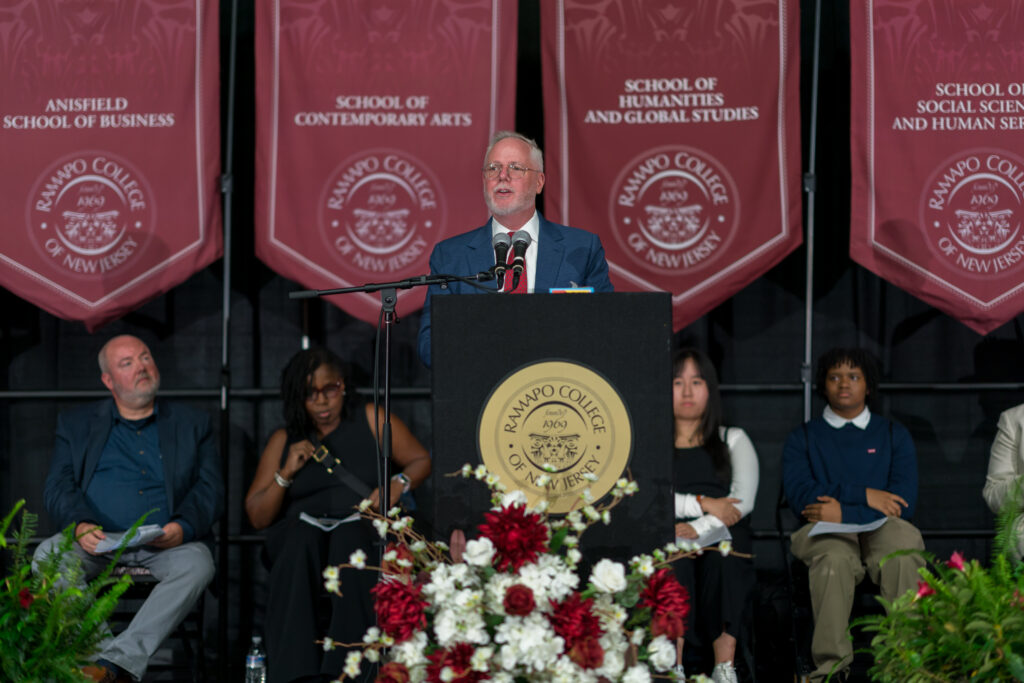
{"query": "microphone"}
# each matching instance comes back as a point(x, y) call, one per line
point(501, 243)
point(520, 241)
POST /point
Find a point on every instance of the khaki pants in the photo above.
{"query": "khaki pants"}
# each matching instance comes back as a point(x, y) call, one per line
point(836, 564)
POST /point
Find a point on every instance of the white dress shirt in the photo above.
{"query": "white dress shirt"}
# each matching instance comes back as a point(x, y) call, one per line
point(533, 227)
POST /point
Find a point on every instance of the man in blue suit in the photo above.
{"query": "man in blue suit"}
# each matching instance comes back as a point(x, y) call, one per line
point(114, 461)
point(558, 256)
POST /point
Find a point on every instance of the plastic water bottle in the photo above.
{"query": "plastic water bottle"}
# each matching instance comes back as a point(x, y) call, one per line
point(256, 662)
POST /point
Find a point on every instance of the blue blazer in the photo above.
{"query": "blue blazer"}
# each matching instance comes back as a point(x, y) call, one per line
point(567, 257)
point(192, 475)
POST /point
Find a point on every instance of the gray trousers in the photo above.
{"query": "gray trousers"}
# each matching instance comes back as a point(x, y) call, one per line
point(836, 564)
point(183, 573)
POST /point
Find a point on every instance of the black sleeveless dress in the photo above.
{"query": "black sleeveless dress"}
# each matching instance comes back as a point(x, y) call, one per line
point(298, 553)
point(720, 587)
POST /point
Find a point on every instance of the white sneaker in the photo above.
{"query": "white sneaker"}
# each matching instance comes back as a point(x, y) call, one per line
point(724, 672)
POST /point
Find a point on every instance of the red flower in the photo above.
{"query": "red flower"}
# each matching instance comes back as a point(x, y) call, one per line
point(956, 561)
point(403, 553)
point(669, 603)
point(25, 597)
point(392, 672)
point(574, 621)
point(519, 600)
point(924, 590)
point(587, 653)
point(457, 659)
point(399, 608)
point(518, 537)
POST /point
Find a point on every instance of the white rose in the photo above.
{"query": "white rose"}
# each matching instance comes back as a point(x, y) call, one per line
point(637, 673)
point(663, 653)
point(479, 552)
point(608, 576)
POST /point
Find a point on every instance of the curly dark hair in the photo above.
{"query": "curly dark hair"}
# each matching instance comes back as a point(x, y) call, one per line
point(296, 379)
point(711, 421)
point(855, 358)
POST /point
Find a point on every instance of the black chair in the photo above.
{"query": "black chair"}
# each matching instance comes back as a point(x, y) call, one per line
point(865, 600)
point(186, 645)
point(802, 620)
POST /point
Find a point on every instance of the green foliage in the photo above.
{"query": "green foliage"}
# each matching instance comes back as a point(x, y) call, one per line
point(965, 623)
point(48, 626)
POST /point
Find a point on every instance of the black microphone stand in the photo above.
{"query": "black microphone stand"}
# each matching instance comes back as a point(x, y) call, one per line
point(388, 299)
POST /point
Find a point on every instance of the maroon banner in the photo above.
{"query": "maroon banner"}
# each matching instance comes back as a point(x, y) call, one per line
point(673, 132)
point(938, 162)
point(372, 120)
point(109, 135)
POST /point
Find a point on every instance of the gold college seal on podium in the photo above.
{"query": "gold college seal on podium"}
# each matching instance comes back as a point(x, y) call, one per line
point(559, 418)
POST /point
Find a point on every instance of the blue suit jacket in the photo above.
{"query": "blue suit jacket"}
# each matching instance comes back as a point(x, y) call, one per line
point(567, 257)
point(192, 476)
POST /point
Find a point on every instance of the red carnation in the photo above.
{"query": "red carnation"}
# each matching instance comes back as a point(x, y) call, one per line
point(519, 600)
point(669, 603)
point(399, 608)
point(518, 537)
point(25, 597)
point(587, 653)
point(402, 553)
point(457, 659)
point(574, 621)
point(393, 672)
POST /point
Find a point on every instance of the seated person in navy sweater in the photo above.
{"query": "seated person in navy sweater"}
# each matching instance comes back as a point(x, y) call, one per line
point(854, 467)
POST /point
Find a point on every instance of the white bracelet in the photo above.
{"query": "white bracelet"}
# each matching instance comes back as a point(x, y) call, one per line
point(281, 481)
point(406, 482)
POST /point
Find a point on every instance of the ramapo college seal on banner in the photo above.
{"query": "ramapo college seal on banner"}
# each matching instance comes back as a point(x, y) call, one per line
point(91, 213)
point(381, 211)
point(973, 206)
point(673, 209)
point(560, 414)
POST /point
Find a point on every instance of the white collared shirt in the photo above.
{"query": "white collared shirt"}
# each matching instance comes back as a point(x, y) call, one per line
point(533, 227)
point(860, 422)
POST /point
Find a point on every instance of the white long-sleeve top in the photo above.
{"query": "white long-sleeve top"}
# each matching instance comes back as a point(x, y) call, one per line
point(1006, 460)
point(745, 478)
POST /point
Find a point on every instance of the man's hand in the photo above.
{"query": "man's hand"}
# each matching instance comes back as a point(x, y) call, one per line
point(173, 536)
point(723, 508)
point(88, 536)
point(886, 503)
point(684, 530)
point(827, 510)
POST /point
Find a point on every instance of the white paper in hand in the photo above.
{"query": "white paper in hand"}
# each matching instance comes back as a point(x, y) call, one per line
point(143, 535)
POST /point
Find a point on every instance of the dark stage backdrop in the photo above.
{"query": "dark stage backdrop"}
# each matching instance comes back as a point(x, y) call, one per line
point(755, 337)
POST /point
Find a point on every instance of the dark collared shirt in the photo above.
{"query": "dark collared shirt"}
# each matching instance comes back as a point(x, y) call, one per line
point(129, 477)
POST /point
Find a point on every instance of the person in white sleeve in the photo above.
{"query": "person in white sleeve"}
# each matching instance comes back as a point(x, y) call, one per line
point(715, 477)
point(1005, 478)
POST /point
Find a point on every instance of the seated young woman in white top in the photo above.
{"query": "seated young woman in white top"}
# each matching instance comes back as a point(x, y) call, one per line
point(715, 474)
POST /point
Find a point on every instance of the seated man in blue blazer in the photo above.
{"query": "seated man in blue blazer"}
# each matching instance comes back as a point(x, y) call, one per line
point(558, 256)
point(114, 461)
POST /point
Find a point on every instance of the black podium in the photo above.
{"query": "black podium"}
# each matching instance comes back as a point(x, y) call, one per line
point(578, 382)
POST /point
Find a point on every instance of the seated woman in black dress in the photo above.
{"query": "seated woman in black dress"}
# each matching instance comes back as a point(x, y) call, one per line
point(715, 472)
point(321, 409)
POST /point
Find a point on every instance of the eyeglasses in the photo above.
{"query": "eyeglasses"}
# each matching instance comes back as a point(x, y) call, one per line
point(328, 391)
point(515, 170)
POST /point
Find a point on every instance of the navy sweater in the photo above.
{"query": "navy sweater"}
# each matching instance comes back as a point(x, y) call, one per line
point(819, 460)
